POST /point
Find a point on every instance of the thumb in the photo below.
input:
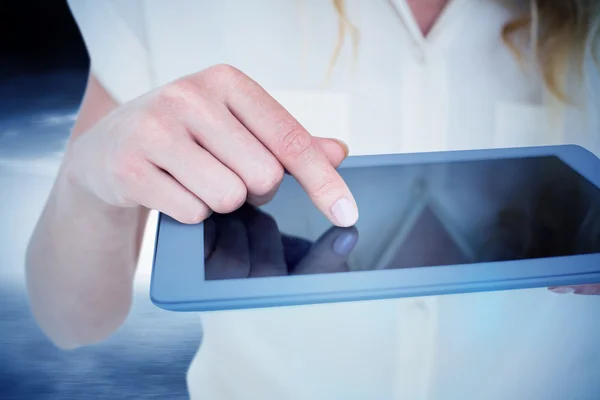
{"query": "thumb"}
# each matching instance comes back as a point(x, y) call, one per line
point(335, 150)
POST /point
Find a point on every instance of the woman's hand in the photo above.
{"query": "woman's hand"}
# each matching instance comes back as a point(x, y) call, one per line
point(590, 289)
point(207, 142)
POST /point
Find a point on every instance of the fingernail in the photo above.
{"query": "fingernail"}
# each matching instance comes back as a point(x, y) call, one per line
point(344, 146)
point(586, 289)
point(344, 243)
point(344, 212)
point(563, 289)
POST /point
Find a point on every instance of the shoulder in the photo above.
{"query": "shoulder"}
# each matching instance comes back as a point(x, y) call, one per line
point(113, 32)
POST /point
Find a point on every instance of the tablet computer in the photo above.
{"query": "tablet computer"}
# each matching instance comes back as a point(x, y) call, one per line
point(430, 224)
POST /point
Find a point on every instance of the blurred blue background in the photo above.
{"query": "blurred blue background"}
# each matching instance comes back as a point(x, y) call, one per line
point(43, 69)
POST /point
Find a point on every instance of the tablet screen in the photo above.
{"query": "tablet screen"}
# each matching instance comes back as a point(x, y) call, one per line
point(411, 216)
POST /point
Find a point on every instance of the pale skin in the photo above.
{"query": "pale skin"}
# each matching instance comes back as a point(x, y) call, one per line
point(206, 142)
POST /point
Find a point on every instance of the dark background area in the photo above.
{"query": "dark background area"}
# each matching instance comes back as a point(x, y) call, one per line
point(39, 36)
point(43, 70)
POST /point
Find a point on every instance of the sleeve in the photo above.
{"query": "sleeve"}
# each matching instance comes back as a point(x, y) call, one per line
point(118, 54)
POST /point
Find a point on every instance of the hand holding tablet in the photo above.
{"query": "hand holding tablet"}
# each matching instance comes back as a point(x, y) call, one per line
point(586, 290)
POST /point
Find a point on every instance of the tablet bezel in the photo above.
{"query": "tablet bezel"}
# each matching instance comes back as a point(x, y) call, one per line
point(178, 282)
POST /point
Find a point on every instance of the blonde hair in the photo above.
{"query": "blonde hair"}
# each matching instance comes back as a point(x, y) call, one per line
point(344, 25)
point(558, 30)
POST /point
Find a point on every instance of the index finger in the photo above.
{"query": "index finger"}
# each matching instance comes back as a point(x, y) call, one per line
point(294, 147)
point(330, 252)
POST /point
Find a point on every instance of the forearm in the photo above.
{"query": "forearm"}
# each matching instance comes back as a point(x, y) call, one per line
point(80, 265)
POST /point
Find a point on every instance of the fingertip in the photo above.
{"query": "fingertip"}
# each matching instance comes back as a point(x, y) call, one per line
point(200, 214)
point(344, 212)
point(562, 289)
point(258, 201)
point(587, 289)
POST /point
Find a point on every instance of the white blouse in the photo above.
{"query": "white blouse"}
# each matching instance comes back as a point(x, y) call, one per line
point(457, 88)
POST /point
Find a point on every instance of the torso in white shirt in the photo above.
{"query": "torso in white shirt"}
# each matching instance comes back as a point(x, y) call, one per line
point(459, 88)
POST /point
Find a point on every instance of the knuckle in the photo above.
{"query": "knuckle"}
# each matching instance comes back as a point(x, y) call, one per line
point(224, 70)
point(222, 79)
point(168, 94)
point(184, 88)
point(266, 182)
point(324, 187)
point(176, 95)
point(152, 125)
point(130, 176)
point(129, 169)
point(294, 141)
point(232, 200)
point(155, 130)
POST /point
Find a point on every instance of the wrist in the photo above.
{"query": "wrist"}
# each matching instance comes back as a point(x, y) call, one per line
point(71, 194)
point(96, 226)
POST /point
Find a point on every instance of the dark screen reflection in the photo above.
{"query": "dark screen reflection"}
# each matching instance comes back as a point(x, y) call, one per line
point(545, 210)
point(560, 218)
point(247, 243)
